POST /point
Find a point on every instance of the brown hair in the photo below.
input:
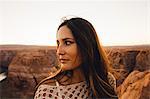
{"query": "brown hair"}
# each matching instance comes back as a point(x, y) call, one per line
point(94, 61)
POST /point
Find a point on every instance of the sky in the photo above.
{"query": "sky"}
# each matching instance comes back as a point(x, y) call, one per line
point(35, 22)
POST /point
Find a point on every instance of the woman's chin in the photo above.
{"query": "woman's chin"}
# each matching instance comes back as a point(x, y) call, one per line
point(64, 67)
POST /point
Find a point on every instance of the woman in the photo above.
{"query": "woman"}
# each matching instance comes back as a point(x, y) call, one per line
point(83, 70)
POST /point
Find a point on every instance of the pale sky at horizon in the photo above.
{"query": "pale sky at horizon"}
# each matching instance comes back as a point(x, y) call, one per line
point(34, 22)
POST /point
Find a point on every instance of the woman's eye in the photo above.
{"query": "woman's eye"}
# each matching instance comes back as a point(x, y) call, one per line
point(68, 42)
point(57, 43)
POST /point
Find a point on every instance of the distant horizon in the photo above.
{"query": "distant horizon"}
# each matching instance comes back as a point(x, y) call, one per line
point(56, 45)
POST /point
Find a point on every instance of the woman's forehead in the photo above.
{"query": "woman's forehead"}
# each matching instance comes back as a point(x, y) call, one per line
point(64, 32)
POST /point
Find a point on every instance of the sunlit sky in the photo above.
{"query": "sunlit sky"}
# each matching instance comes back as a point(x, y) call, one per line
point(35, 22)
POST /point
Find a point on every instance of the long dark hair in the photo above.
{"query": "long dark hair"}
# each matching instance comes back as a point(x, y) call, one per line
point(94, 60)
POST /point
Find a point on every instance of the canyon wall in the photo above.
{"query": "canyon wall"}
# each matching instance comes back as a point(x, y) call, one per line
point(26, 66)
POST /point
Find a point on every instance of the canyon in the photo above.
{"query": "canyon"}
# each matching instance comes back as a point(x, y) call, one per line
point(25, 66)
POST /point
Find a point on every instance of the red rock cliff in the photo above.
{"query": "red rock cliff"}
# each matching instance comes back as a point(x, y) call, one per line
point(28, 65)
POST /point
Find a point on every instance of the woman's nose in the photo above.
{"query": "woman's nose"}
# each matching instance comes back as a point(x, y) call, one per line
point(60, 50)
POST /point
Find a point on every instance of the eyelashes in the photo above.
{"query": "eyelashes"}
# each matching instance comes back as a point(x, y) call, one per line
point(67, 43)
point(57, 43)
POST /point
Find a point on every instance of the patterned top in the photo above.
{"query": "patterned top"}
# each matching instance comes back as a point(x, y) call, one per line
point(73, 91)
point(112, 80)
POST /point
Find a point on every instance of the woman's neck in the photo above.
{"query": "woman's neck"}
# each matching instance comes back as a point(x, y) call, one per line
point(75, 76)
point(78, 75)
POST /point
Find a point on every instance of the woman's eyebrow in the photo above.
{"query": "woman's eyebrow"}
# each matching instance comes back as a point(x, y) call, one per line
point(64, 39)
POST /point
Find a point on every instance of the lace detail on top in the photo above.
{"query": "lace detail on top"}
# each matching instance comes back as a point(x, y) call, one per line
point(112, 80)
point(73, 91)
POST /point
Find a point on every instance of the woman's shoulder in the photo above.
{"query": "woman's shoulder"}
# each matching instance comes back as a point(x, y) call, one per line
point(54, 71)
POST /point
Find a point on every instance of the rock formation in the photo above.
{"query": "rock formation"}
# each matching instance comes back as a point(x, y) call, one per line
point(6, 57)
point(135, 86)
point(27, 68)
point(125, 60)
point(28, 65)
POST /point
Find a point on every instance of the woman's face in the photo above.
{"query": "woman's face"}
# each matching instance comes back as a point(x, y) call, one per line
point(67, 51)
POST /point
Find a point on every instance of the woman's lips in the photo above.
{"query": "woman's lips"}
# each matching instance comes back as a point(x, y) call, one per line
point(63, 61)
